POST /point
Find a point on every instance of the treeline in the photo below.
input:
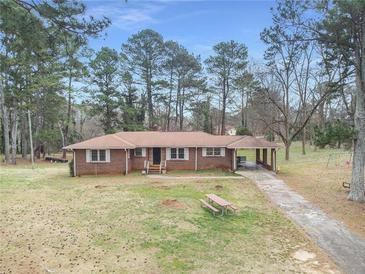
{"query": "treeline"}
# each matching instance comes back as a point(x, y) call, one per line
point(153, 83)
point(73, 92)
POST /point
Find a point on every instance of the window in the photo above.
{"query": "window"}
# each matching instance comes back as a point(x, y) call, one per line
point(210, 151)
point(96, 156)
point(138, 152)
point(173, 154)
point(213, 151)
point(102, 155)
point(177, 154)
point(181, 153)
point(217, 151)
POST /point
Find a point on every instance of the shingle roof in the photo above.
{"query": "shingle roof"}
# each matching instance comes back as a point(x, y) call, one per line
point(132, 139)
point(110, 141)
point(252, 142)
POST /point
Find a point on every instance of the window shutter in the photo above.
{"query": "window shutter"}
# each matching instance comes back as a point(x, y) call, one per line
point(223, 151)
point(144, 152)
point(168, 154)
point(186, 153)
point(88, 156)
point(204, 152)
point(107, 155)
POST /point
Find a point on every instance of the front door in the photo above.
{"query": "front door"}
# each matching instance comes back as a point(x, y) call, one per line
point(156, 155)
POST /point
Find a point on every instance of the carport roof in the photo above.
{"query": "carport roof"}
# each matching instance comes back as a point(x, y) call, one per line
point(250, 142)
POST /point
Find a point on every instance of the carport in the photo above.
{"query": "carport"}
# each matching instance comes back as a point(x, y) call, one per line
point(265, 151)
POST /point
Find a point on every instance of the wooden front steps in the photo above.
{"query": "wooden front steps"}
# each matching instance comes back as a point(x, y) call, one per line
point(153, 169)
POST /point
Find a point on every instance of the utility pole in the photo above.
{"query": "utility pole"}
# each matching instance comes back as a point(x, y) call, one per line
point(31, 139)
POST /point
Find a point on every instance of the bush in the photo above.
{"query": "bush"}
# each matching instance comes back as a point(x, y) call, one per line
point(71, 167)
point(334, 134)
point(243, 131)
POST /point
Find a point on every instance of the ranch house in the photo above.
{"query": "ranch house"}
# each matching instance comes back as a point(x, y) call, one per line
point(155, 151)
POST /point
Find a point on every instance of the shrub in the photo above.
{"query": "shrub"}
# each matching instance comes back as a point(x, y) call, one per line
point(243, 131)
point(71, 167)
point(334, 134)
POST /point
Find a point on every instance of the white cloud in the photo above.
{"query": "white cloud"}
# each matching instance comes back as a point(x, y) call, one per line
point(128, 16)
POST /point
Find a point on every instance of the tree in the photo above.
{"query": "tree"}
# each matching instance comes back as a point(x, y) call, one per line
point(104, 72)
point(243, 131)
point(143, 55)
point(30, 33)
point(131, 113)
point(342, 32)
point(74, 69)
point(228, 63)
point(170, 66)
point(246, 84)
point(289, 81)
point(189, 83)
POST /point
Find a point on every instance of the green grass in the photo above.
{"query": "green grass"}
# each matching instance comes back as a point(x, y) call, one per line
point(133, 224)
point(207, 172)
point(318, 176)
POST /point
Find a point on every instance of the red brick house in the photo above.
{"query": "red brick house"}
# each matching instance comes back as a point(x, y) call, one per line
point(122, 152)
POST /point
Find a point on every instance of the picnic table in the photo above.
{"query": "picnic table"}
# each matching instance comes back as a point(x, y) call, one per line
point(223, 204)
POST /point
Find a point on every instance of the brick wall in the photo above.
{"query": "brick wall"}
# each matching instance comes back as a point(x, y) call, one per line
point(203, 162)
point(116, 165)
point(215, 161)
point(137, 161)
point(117, 162)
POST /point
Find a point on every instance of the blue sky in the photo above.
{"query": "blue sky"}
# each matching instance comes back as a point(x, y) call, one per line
point(197, 25)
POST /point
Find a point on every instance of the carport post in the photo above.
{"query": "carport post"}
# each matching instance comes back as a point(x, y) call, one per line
point(235, 159)
point(257, 155)
point(264, 155)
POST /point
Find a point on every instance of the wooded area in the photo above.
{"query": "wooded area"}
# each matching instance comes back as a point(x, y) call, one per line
point(310, 86)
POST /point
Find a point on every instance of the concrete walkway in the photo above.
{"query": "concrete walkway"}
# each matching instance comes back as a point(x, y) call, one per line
point(345, 248)
point(192, 177)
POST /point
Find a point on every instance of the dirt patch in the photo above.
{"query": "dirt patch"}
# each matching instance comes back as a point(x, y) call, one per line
point(172, 203)
point(303, 255)
point(163, 187)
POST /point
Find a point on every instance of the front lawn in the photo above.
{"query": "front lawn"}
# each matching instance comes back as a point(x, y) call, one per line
point(202, 173)
point(53, 223)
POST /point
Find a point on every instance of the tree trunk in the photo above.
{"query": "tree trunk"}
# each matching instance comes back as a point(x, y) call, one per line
point(24, 140)
point(242, 109)
point(304, 140)
point(5, 116)
point(177, 102)
point(14, 128)
point(68, 117)
point(224, 99)
point(287, 151)
point(182, 102)
point(357, 181)
point(169, 104)
point(149, 99)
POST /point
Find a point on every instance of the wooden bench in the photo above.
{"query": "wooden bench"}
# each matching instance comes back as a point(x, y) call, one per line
point(232, 208)
point(204, 204)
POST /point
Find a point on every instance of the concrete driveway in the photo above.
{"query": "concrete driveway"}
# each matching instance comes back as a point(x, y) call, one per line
point(344, 247)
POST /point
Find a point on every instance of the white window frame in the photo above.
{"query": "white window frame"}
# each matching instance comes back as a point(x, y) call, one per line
point(143, 152)
point(213, 152)
point(89, 156)
point(179, 151)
